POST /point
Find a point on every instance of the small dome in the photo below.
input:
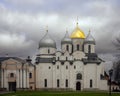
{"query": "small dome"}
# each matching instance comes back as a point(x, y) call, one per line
point(66, 39)
point(46, 41)
point(77, 33)
point(89, 39)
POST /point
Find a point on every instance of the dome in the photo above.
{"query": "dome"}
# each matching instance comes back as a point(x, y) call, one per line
point(89, 39)
point(77, 33)
point(66, 39)
point(46, 41)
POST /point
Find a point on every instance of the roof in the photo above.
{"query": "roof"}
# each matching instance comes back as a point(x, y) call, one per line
point(16, 58)
point(47, 41)
point(89, 39)
point(77, 33)
point(66, 39)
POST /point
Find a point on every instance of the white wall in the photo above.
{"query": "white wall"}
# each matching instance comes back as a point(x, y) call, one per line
point(92, 48)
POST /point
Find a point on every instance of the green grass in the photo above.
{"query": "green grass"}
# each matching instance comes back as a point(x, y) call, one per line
point(60, 93)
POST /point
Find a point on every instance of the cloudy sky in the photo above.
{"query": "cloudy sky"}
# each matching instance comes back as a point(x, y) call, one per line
point(23, 24)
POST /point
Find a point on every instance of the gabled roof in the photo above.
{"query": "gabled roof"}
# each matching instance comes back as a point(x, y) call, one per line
point(16, 58)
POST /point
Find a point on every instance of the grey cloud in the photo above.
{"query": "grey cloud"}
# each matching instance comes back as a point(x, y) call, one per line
point(101, 16)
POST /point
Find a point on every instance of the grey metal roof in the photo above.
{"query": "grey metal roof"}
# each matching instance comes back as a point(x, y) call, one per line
point(44, 60)
point(89, 39)
point(92, 58)
point(47, 41)
point(66, 39)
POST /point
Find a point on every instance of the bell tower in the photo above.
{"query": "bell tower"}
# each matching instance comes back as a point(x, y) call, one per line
point(89, 44)
point(66, 43)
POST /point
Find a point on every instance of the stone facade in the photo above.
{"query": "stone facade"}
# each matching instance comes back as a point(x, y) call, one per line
point(15, 74)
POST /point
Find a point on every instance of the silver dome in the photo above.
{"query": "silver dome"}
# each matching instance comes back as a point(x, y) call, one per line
point(89, 39)
point(66, 39)
point(46, 41)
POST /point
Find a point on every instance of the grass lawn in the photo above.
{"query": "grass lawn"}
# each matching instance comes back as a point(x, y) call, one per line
point(60, 93)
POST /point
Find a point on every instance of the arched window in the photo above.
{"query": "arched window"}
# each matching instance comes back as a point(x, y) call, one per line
point(11, 74)
point(66, 83)
point(91, 83)
point(89, 48)
point(30, 75)
point(49, 67)
point(45, 82)
point(79, 76)
point(67, 48)
point(57, 66)
point(78, 47)
point(58, 83)
point(66, 67)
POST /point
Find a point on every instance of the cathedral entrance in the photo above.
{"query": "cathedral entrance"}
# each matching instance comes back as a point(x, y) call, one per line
point(12, 86)
point(78, 86)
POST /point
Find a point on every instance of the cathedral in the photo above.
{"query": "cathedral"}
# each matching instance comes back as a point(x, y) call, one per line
point(75, 67)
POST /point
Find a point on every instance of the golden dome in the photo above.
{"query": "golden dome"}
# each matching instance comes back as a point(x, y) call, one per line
point(77, 33)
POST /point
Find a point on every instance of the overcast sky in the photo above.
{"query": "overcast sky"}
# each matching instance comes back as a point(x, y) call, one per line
point(23, 24)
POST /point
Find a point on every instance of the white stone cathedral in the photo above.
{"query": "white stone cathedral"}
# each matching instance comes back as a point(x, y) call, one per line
point(75, 67)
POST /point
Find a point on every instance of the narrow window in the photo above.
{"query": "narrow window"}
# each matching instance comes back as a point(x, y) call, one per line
point(45, 82)
point(89, 49)
point(66, 67)
point(91, 83)
point(67, 48)
point(66, 83)
point(30, 75)
point(66, 58)
point(78, 47)
point(11, 74)
point(58, 58)
point(49, 67)
point(48, 50)
point(74, 67)
point(58, 83)
point(57, 66)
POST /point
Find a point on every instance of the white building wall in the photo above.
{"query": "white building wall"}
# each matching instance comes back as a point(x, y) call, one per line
point(24, 79)
point(64, 48)
point(79, 69)
point(17, 79)
point(66, 74)
point(45, 50)
point(27, 79)
point(103, 85)
point(76, 42)
point(5, 77)
point(72, 77)
point(90, 73)
point(57, 74)
point(92, 48)
point(21, 79)
point(62, 75)
point(54, 75)
point(43, 72)
point(2, 77)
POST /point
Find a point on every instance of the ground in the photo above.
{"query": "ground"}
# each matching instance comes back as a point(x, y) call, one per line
point(47, 93)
